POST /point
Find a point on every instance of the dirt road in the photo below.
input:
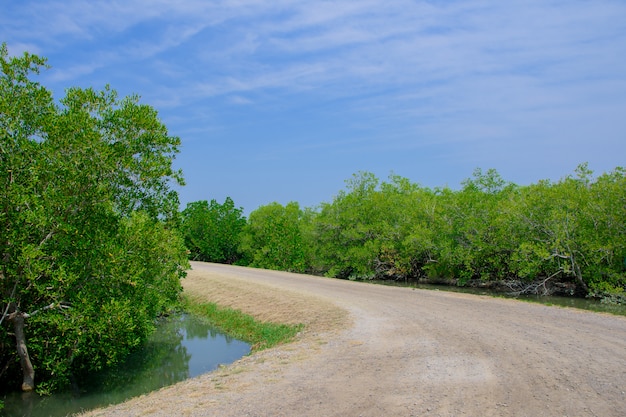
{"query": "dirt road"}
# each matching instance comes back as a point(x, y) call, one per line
point(371, 350)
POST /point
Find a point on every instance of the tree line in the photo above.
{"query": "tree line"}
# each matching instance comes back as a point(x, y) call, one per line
point(566, 237)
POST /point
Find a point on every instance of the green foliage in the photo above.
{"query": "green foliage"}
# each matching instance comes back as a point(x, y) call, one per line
point(272, 238)
point(375, 230)
point(473, 230)
point(348, 230)
point(574, 228)
point(212, 231)
point(87, 257)
point(571, 232)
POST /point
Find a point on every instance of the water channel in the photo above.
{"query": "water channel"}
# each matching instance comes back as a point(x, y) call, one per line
point(186, 346)
point(182, 347)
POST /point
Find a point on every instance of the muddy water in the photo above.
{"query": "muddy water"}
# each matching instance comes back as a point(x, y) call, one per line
point(181, 348)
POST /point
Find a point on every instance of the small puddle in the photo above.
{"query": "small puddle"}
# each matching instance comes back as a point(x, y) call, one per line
point(182, 347)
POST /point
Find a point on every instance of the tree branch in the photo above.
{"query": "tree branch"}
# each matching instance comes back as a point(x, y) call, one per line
point(48, 307)
point(6, 310)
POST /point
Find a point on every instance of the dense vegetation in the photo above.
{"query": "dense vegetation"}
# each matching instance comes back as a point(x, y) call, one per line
point(212, 231)
point(567, 237)
point(89, 257)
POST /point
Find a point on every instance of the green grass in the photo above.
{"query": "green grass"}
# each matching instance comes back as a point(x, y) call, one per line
point(260, 335)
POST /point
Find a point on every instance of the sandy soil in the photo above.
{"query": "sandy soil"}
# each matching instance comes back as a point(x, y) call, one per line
point(371, 350)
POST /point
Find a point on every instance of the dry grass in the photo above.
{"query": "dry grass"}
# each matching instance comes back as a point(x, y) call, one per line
point(264, 303)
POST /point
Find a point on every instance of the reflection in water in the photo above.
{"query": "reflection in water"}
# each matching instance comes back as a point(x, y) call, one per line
point(181, 348)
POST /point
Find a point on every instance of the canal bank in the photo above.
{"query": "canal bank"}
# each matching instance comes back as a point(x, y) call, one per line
point(402, 351)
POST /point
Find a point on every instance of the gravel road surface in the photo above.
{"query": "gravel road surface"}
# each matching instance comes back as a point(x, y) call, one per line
point(371, 350)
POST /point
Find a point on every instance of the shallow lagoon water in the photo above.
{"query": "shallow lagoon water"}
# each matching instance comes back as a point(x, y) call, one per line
point(182, 347)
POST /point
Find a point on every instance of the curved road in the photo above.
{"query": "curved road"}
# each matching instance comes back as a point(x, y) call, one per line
point(413, 352)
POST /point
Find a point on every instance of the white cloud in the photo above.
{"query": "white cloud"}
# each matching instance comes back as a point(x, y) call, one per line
point(240, 100)
point(73, 72)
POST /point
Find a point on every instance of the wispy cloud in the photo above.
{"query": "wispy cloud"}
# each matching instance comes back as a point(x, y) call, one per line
point(463, 81)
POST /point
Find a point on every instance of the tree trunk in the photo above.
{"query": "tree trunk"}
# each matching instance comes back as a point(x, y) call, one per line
point(577, 272)
point(28, 383)
point(580, 280)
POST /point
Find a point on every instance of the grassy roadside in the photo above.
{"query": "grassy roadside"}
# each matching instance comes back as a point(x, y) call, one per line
point(261, 335)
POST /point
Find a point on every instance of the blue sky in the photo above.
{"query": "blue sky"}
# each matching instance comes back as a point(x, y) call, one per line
point(285, 100)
